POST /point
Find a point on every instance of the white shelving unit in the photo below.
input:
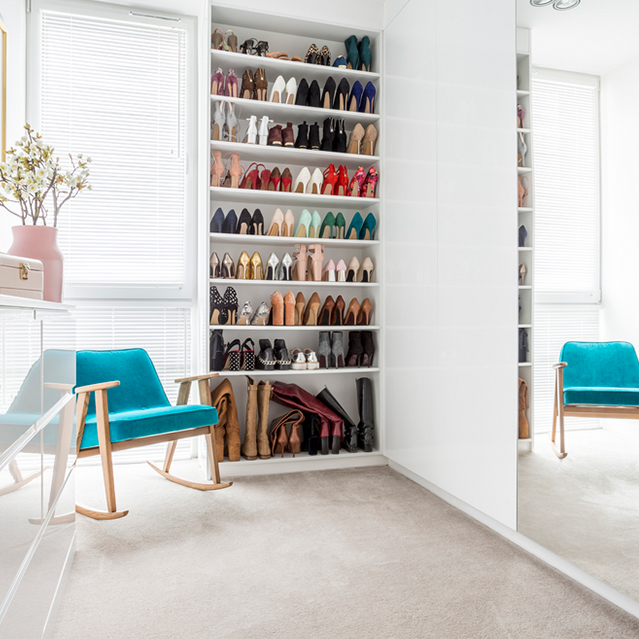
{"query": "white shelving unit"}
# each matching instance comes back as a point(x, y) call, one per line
point(294, 37)
point(526, 216)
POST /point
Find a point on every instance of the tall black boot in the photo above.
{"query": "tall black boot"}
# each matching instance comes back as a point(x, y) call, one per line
point(216, 350)
point(349, 440)
point(366, 413)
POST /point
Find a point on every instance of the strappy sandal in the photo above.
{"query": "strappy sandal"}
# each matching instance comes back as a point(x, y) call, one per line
point(296, 58)
point(262, 48)
point(278, 55)
point(232, 356)
point(248, 46)
point(248, 354)
point(217, 38)
point(218, 308)
point(312, 55)
point(231, 41)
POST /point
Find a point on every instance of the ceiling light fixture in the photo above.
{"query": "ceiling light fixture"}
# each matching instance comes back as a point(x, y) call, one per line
point(559, 5)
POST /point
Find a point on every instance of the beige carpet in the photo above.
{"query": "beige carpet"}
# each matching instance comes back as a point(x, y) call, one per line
point(350, 554)
point(585, 507)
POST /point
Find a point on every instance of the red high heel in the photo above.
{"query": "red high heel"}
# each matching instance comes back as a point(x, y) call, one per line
point(286, 181)
point(356, 189)
point(265, 178)
point(274, 180)
point(370, 184)
point(342, 181)
point(330, 180)
point(251, 177)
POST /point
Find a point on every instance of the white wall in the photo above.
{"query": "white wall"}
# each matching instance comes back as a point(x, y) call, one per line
point(620, 209)
point(451, 257)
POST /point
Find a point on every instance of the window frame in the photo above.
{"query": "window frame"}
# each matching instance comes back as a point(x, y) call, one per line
point(127, 14)
point(579, 79)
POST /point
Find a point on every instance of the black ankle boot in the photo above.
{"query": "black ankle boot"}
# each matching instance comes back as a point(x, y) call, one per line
point(366, 413)
point(302, 136)
point(349, 440)
point(281, 355)
point(266, 359)
point(313, 137)
point(355, 348)
point(327, 139)
point(369, 349)
point(339, 139)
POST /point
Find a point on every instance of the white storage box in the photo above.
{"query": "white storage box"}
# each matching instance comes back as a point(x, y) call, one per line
point(21, 276)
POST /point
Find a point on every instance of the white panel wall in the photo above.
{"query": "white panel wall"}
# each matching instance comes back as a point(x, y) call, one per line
point(620, 220)
point(450, 228)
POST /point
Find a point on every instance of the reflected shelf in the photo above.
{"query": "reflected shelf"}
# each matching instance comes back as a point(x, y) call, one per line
point(319, 371)
point(307, 329)
point(268, 240)
point(291, 283)
point(224, 194)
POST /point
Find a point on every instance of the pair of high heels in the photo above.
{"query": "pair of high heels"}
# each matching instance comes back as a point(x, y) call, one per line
point(318, 56)
point(361, 349)
point(223, 309)
point(290, 310)
point(362, 141)
point(335, 313)
point(239, 356)
point(362, 184)
point(224, 175)
point(221, 85)
point(361, 229)
point(522, 190)
point(270, 358)
point(254, 85)
point(248, 317)
point(252, 46)
point(246, 225)
point(222, 41)
point(331, 349)
point(283, 92)
point(312, 226)
point(359, 55)
point(225, 125)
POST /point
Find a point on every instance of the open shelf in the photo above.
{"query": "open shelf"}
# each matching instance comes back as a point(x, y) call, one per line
point(525, 248)
point(525, 209)
point(523, 130)
point(306, 329)
point(524, 364)
point(287, 68)
point(525, 288)
point(287, 112)
point(253, 196)
point(524, 169)
point(292, 283)
point(269, 240)
point(291, 155)
point(522, 94)
point(319, 371)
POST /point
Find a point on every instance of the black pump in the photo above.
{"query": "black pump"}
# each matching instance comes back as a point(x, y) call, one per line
point(302, 136)
point(314, 95)
point(341, 96)
point(327, 139)
point(301, 98)
point(313, 138)
point(328, 93)
point(257, 223)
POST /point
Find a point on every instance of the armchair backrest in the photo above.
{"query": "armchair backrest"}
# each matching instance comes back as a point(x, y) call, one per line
point(139, 388)
point(600, 364)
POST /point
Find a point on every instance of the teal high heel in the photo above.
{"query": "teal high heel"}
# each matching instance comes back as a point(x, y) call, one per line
point(340, 227)
point(365, 54)
point(352, 55)
point(367, 232)
point(304, 224)
point(316, 220)
point(355, 227)
point(327, 225)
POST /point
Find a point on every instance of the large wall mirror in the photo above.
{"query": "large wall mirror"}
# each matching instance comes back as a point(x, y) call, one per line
point(579, 136)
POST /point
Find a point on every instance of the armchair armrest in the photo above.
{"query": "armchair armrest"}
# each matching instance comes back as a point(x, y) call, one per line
point(559, 366)
point(196, 378)
point(60, 387)
point(96, 387)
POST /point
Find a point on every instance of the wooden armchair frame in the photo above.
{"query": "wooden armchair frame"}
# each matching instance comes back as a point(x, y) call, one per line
point(562, 410)
point(106, 447)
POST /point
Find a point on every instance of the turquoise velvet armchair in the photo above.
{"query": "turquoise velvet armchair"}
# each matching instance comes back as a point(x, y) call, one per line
point(121, 404)
point(595, 379)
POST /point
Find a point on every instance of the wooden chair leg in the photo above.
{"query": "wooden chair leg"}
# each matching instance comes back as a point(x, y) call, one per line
point(18, 480)
point(558, 414)
point(104, 440)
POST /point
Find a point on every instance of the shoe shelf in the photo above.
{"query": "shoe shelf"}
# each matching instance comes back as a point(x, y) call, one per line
point(524, 326)
point(291, 155)
point(525, 288)
point(293, 283)
point(524, 169)
point(522, 94)
point(253, 196)
point(525, 248)
point(525, 209)
point(270, 240)
point(307, 329)
point(523, 130)
point(318, 371)
point(288, 112)
point(287, 68)
point(524, 364)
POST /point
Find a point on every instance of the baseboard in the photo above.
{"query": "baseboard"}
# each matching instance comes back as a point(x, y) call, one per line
point(49, 624)
point(585, 579)
point(300, 463)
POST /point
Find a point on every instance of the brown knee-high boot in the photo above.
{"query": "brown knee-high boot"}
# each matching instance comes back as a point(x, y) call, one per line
point(524, 429)
point(264, 391)
point(249, 446)
point(227, 431)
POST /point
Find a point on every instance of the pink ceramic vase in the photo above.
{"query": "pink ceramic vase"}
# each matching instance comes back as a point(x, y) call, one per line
point(41, 243)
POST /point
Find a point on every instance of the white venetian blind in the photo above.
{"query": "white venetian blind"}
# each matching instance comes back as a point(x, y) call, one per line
point(116, 92)
point(554, 326)
point(565, 117)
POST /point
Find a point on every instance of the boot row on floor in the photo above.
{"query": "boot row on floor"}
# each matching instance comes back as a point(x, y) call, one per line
point(314, 424)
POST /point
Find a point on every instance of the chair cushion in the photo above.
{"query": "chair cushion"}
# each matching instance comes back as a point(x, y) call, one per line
point(611, 365)
point(139, 387)
point(134, 424)
point(602, 396)
point(14, 425)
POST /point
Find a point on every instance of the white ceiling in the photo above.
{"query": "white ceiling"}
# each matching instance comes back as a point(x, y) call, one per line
point(595, 37)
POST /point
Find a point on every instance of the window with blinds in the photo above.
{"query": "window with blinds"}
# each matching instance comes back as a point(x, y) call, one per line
point(116, 91)
point(565, 118)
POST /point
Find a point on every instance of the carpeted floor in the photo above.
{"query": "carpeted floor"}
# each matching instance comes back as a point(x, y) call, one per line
point(585, 507)
point(352, 554)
